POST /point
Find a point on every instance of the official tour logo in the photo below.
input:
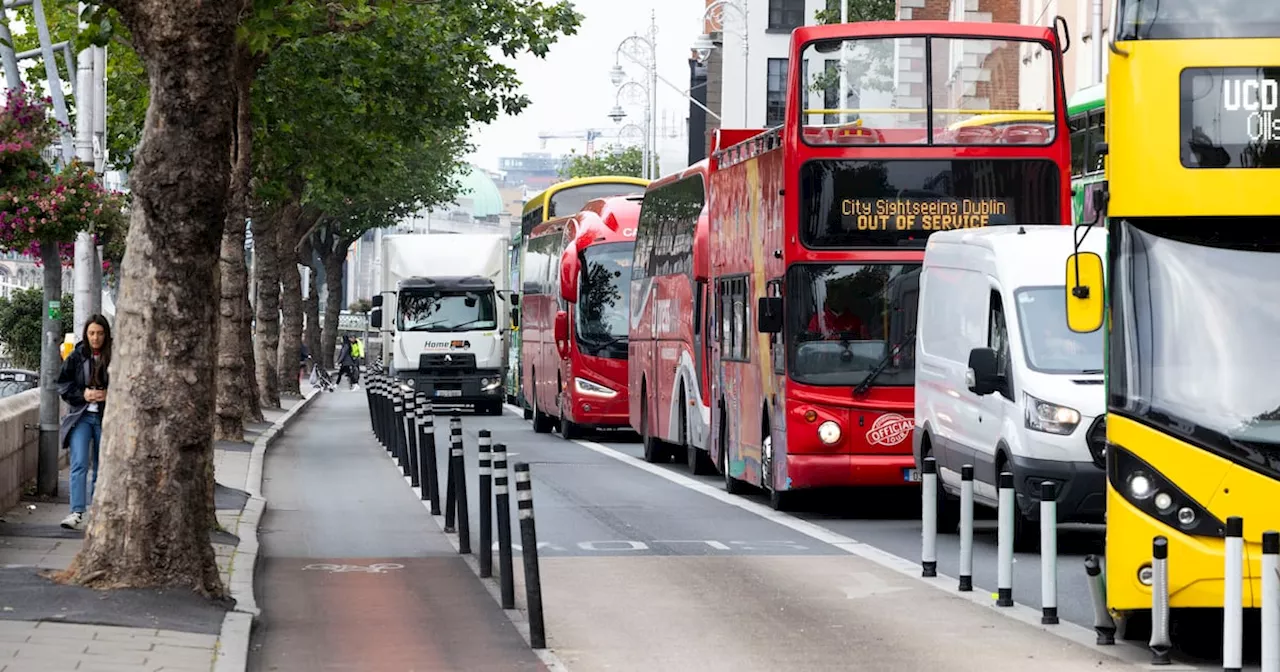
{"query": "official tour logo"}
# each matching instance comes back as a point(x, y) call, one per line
point(890, 429)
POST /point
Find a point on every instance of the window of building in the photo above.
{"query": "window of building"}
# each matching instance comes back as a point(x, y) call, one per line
point(786, 14)
point(775, 92)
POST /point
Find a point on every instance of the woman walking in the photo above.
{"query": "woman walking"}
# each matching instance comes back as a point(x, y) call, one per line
point(82, 383)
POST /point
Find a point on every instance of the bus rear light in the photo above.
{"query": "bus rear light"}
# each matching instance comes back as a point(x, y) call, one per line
point(1156, 496)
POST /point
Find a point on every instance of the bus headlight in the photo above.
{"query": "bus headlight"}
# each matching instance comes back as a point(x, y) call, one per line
point(584, 386)
point(1156, 496)
point(829, 432)
point(1043, 416)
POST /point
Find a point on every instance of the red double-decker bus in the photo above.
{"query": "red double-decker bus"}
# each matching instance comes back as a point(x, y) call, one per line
point(576, 284)
point(817, 232)
point(668, 360)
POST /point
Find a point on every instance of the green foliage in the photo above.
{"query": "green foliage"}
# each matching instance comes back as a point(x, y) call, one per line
point(859, 10)
point(627, 161)
point(360, 306)
point(20, 325)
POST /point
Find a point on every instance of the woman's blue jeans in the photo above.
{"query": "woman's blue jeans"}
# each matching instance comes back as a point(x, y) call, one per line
point(84, 440)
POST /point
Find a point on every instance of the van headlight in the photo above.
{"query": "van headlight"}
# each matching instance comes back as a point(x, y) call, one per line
point(1043, 416)
point(584, 386)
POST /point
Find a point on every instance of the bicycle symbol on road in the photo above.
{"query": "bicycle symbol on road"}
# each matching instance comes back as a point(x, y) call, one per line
point(377, 568)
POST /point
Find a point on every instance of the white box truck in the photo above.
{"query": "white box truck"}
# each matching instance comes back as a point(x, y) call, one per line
point(444, 315)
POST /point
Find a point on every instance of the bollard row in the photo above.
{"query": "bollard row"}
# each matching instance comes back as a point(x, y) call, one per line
point(931, 498)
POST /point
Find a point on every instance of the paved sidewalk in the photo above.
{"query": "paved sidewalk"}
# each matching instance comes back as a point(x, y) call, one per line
point(50, 627)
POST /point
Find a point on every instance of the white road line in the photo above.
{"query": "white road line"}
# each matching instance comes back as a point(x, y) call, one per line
point(1122, 650)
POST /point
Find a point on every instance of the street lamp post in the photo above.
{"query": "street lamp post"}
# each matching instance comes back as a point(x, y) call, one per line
point(704, 45)
point(617, 115)
point(643, 51)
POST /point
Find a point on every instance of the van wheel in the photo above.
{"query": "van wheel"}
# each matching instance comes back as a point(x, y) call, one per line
point(1026, 532)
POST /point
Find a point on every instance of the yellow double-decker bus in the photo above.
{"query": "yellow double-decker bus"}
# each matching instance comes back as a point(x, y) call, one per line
point(559, 200)
point(1190, 294)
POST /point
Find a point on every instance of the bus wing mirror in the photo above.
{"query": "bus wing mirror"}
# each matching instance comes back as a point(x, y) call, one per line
point(1063, 32)
point(375, 315)
point(1084, 292)
point(769, 315)
point(982, 377)
point(515, 317)
point(561, 333)
point(570, 266)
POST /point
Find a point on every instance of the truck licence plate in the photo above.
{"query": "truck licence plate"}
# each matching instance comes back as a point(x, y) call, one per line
point(911, 475)
point(448, 393)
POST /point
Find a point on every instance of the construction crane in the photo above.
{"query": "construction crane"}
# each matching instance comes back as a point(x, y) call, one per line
point(590, 135)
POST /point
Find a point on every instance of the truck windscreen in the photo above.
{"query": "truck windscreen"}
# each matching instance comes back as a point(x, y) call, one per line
point(898, 203)
point(445, 311)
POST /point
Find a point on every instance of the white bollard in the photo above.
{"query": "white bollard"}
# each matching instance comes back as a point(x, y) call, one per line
point(1233, 597)
point(1159, 643)
point(1048, 553)
point(966, 528)
point(1004, 542)
point(1103, 625)
point(929, 517)
point(1271, 601)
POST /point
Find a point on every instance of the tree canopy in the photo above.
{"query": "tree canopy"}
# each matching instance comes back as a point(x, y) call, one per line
point(610, 161)
point(859, 10)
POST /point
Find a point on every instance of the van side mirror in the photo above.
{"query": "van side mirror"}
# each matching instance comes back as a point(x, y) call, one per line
point(983, 376)
point(515, 317)
point(769, 315)
point(375, 316)
point(376, 301)
point(1084, 292)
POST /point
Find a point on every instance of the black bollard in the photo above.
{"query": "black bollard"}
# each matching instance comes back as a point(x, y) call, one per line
point(459, 470)
point(404, 393)
point(368, 396)
point(427, 445)
point(529, 549)
point(451, 492)
point(425, 420)
point(411, 436)
point(397, 423)
point(501, 494)
point(486, 505)
point(377, 412)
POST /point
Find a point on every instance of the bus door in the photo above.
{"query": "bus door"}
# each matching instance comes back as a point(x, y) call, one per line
point(702, 344)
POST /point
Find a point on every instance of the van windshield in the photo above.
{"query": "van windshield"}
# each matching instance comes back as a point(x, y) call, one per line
point(1051, 347)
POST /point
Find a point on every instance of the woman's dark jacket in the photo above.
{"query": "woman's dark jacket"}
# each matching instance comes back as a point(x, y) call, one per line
point(73, 379)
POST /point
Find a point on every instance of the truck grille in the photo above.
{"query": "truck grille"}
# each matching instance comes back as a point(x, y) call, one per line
point(461, 361)
point(1096, 437)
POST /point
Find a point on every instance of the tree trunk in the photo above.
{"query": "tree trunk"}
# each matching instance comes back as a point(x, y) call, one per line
point(252, 403)
point(333, 257)
point(290, 307)
point(266, 271)
point(147, 526)
point(311, 305)
point(233, 377)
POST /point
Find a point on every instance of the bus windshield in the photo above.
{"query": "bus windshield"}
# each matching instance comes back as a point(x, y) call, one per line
point(602, 315)
point(1050, 346)
point(972, 91)
point(1174, 365)
point(844, 320)
point(1198, 19)
point(445, 311)
point(570, 201)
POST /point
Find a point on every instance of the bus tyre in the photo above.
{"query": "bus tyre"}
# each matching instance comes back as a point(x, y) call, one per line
point(731, 485)
point(698, 460)
point(653, 449)
point(526, 411)
point(541, 421)
point(569, 430)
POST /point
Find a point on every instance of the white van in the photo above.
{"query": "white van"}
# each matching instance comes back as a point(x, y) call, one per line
point(1001, 382)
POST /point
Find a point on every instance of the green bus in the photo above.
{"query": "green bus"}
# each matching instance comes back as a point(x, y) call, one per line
point(1086, 119)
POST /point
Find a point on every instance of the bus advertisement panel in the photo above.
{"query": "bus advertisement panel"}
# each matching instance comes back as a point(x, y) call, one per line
point(576, 291)
point(817, 230)
point(668, 332)
point(559, 200)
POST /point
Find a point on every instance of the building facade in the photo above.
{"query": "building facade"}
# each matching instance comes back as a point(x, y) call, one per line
point(755, 36)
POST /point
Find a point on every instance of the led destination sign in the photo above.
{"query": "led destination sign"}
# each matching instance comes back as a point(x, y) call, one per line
point(1230, 117)
point(924, 214)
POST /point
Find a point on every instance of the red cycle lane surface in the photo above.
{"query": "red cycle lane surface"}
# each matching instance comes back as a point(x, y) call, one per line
point(354, 574)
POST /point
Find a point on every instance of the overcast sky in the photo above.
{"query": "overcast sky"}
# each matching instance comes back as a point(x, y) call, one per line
point(570, 90)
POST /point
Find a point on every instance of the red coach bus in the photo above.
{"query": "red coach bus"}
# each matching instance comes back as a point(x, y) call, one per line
point(576, 285)
point(668, 351)
point(817, 232)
